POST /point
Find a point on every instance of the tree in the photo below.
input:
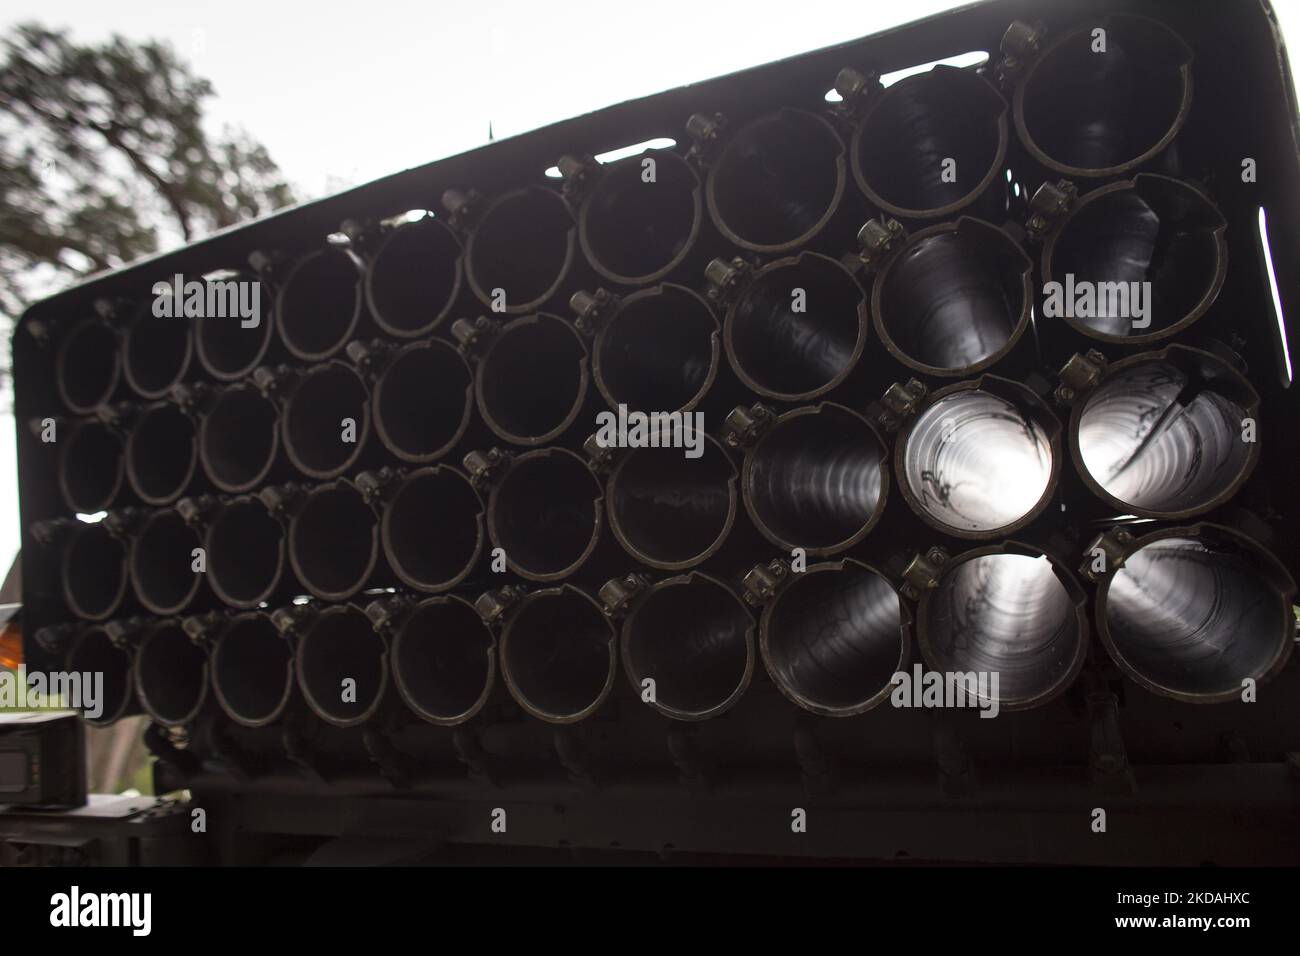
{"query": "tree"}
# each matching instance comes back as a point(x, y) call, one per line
point(104, 158)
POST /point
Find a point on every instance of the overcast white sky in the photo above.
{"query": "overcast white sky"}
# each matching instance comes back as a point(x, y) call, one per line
point(344, 93)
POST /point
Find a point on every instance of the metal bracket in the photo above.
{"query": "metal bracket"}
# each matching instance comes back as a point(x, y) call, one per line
point(275, 383)
point(923, 572)
point(50, 532)
point(484, 466)
point(725, 279)
point(1050, 204)
point(195, 511)
point(123, 522)
point(1114, 548)
point(898, 405)
point(1080, 374)
point(370, 358)
point(856, 90)
point(199, 628)
point(281, 500)
point(765, 580)
point(192, 398)
point(462, 208)
point(472, 335)
point(592, 309)
point(1021, 45)
point(617, 595)
point(743, 426)
point(492, 606)
point(123, 634)
point(116, 418)
point(376, 487)
point(600, 457)
point(880, 240)
point(290, 621)
point(44, 331)
point(265, 264)
point(384, 612)
point(361, 233)
point(579, 176)
point(706, 137)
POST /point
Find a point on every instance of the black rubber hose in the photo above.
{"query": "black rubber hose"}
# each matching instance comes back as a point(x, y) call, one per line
point(245, 545)
point(342, 666)
point(334, 542)
point(171, 674)
point(434, 529)
point(424, 401)
point(817, 479)
point(161, 453)
point(797, 328)
point(318, 307)
point(252, 670)
point(91, 468)
point(671, 511)
point(521, 250)
point(94, 568)
point(934, 144)
point(1162, 434)
point(162, 563)
point(1195, 612)
point(414, 277)
point(833, 638)
point(325, 423)
point(778, 181)
point(558, 654)
point(156, 352)
point(636, 230)
point(88, 366)
point(955, 299)
point(1000, 612)
point(659, 351)
point(694, 638)
point(545, 513)
point(239, 439)
point(533, 380)
point(1083, 113)
point(444, 660)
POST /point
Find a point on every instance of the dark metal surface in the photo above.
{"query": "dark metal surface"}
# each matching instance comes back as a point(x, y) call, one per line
point(767, 189)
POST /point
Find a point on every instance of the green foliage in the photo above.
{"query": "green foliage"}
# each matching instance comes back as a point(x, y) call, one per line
point(104, 158)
